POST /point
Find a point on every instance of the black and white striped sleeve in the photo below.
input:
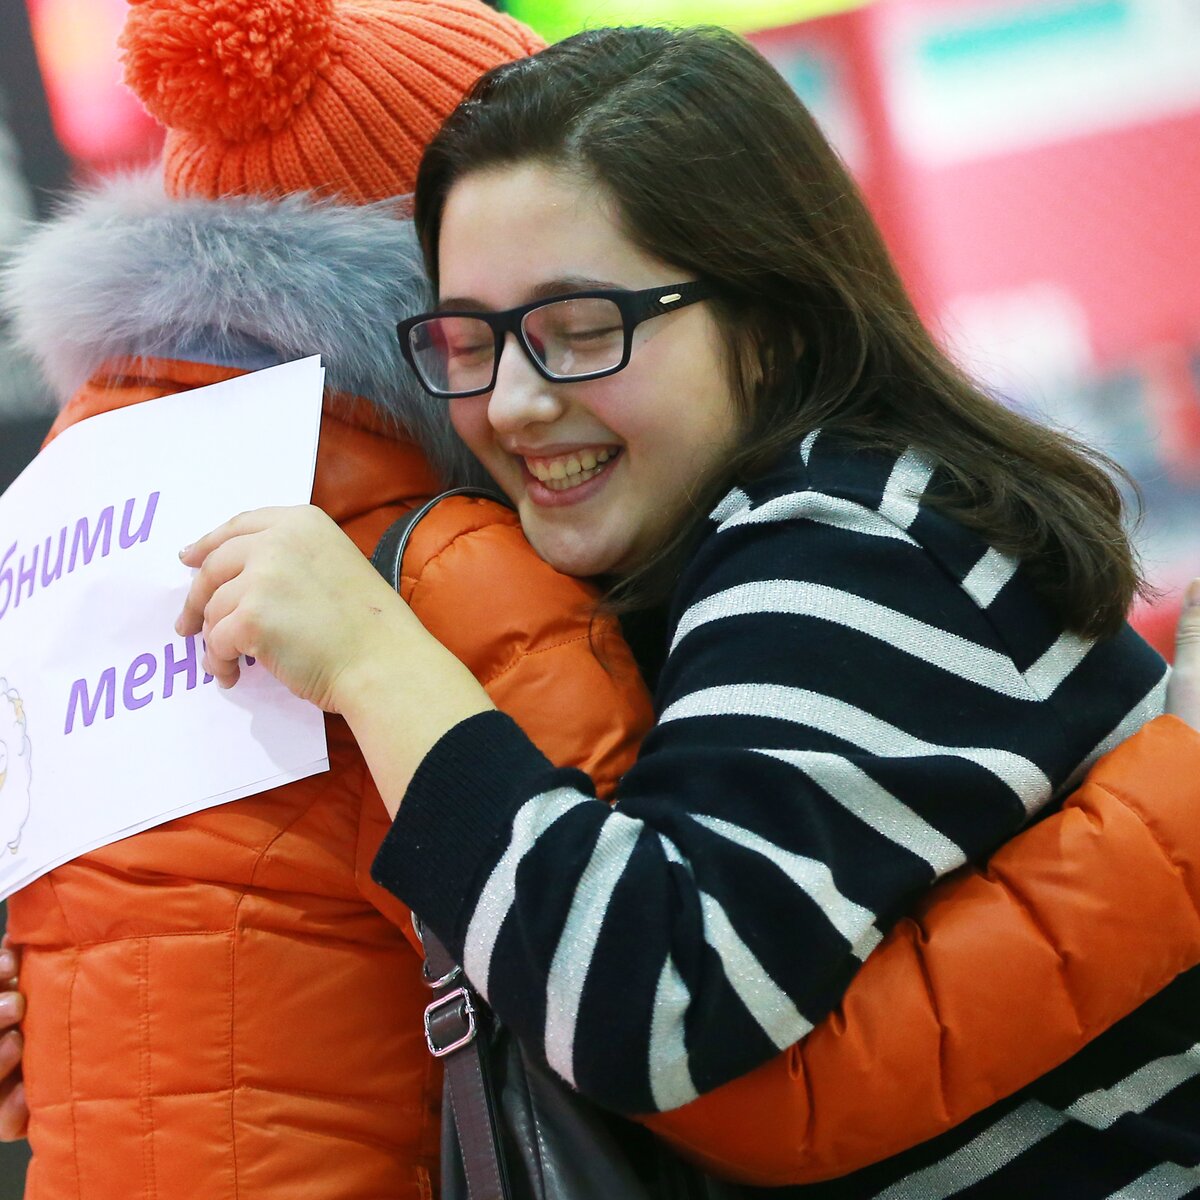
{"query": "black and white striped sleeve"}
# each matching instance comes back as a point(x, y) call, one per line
point(838, 727)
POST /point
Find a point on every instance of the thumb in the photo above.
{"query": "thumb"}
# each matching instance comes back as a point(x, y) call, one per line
point(1187, 632)
point(1183, 692)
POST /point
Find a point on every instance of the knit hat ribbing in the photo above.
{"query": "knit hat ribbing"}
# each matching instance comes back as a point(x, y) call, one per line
point(334, 97)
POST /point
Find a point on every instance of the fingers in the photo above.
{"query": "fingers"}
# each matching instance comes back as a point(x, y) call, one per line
point(1187, 633)
point(8, 964)
point(14, 1111)
point(221, 555)
point(226, 640)
point(244, 523)
point(276, 584)
point(220, 567)
point(1183, 692)
point(12, 1046)
point(211, 600)
point(12, 1009)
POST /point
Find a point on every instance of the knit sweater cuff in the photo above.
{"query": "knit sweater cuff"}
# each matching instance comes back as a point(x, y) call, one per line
point(455, 818)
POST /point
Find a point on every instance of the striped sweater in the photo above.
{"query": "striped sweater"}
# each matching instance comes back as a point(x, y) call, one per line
point(859, 696)
point(1119, 1121)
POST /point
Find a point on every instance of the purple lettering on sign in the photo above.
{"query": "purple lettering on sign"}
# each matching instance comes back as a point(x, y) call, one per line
point(85, 703)
point(6, 578)
point(89, 540)
point(90, 705)
point(90, 543)
point(173, 667)
point(48, 575)
point(26, 575)
point(140, 672)
point(143, 532)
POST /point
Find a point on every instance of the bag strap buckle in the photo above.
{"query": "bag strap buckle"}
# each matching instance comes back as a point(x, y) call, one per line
point(443, 1007)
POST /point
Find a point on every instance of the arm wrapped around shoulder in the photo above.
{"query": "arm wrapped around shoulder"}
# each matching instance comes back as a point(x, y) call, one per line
point(998, 977)
point(535, 639)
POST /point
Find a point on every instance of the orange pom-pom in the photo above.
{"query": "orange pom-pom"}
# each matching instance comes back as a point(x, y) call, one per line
point(237, 68)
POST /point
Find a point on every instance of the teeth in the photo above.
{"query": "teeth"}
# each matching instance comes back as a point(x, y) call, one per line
point(562, 474)
point(572, 481)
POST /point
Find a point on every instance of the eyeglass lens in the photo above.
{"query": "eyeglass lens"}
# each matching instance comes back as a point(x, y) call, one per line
point(569, 338)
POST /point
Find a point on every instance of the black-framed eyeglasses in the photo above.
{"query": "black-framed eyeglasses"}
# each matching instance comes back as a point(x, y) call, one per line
point(583, 335)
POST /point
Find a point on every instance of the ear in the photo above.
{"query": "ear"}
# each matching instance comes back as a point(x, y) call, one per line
point(772, 356)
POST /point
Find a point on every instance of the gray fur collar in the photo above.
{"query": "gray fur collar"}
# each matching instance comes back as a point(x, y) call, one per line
point(125, 271)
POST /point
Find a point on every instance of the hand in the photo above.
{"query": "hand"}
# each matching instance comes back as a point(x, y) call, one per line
point(14, 1112)
point(1183, 692)
point(287, 587)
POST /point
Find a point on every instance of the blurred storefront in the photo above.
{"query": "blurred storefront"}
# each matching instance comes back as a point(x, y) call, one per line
point(98, 122)
point(1035, 167)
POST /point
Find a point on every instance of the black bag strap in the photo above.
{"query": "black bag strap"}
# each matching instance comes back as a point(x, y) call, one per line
point(389, 553)
point(454, 1032)
point(455, 1018)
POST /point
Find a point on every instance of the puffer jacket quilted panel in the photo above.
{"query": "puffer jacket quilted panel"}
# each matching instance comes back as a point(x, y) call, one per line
point(227, 1004)
point(1001, 975)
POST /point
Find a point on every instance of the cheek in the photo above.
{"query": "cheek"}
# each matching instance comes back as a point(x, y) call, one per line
point(469, 418)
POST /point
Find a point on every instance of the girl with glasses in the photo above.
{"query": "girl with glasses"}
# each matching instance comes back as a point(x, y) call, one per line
point(888, 612)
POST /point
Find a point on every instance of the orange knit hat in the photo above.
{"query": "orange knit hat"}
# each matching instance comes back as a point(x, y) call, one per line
point(334, 97)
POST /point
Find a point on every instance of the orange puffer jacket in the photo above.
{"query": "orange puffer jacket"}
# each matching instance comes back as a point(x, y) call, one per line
point(999, 976)
point(226, 1006)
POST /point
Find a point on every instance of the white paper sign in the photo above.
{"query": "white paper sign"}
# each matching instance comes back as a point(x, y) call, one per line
point(107, 722)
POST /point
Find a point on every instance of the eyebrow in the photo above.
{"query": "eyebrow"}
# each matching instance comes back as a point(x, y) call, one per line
point(544, 291)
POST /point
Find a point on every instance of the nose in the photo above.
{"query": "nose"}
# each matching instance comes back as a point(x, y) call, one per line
point(520, 397)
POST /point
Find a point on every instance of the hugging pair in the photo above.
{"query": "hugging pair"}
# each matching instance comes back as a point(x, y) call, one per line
point(864, 677)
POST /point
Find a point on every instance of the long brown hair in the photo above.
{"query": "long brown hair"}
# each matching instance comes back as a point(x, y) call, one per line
point(718, 168)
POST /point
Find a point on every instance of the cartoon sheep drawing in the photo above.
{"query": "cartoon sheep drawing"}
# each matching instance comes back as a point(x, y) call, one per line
point(16, 773)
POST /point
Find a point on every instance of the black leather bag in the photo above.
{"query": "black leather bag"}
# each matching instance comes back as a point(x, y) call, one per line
point(511, 1129)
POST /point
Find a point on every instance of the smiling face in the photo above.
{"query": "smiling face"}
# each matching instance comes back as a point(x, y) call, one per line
point(600, 471)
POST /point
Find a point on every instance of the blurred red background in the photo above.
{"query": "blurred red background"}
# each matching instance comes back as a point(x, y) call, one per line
point(1034, 165)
